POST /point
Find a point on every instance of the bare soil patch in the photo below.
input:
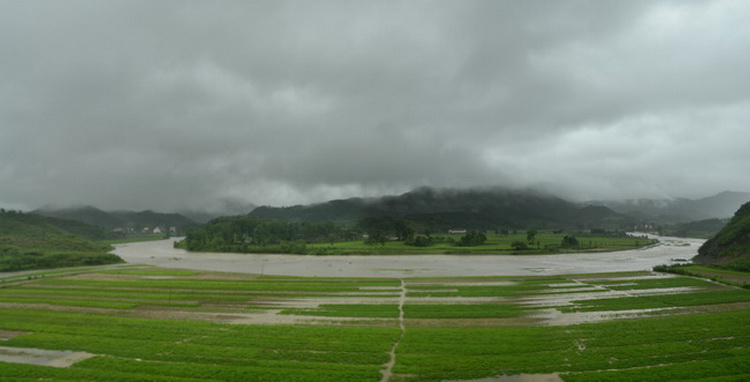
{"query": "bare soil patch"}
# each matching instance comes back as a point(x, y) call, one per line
point(10, 334)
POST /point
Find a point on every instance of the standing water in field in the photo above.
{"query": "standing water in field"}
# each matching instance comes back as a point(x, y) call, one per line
point(162, 254)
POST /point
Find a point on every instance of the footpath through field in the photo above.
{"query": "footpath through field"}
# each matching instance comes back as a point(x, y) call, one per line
point(387, 372)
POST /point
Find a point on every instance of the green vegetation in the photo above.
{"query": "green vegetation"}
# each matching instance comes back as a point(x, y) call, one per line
point(496, 243)
point(250, 234)
point(386, 235)
point(168, 325)
point(125, 222)
point(703, 229)
point(30, 241)
point(472, 239)
point(135, 237)
point(715, 273)
point(675, 348)
point(731, 246)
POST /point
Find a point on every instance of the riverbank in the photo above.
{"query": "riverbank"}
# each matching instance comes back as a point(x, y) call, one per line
point(161, 253)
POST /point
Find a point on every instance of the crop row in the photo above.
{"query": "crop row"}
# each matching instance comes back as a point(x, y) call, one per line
point(468, 353)
point(651, 283)
point(302, 285)
point(143, 294)
point(660, 301)
point(348, 310)
point(514, 289)
point(462, 310)
point(164, 348)
point(131, 348)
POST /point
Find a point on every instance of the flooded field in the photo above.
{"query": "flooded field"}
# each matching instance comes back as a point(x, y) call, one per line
point(217, 316)
point(162, 254)
point(149, 323)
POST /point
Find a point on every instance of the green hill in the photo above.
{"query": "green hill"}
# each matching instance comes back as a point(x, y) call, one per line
point(31, 241)
point(730, 248)
point(121, 220)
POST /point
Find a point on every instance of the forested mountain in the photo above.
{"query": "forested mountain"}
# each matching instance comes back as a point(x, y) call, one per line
point(226, 207)
point(30, 241)
point(440, 210)
point(731, 246)
point(119, 219)
point(680, 210)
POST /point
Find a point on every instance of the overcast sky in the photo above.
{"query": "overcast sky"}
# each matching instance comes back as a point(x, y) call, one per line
point(183, 104)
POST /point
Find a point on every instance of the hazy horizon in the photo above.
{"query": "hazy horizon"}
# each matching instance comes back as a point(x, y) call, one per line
point(232, 207)
point(177, 105)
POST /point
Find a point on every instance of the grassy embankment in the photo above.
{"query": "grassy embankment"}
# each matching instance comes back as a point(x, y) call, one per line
point(496, 244)
point(724, 276)
point(543, 243)
point(165, 325)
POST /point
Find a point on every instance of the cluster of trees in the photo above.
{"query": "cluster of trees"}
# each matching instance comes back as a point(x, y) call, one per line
point(255, 234)
point(570, 241)
point(472, 239)
point(380, 229)
point(252, 234)
point(420, 241)
point(12, 260)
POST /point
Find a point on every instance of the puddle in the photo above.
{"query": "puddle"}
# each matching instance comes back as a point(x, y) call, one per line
point(567, 299)
point(41, 357)
point(553, 317)
point(157, 277)
point(468, 283)
point(517, 378)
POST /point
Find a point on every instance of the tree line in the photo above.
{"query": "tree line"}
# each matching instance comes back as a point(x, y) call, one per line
point(253, 234)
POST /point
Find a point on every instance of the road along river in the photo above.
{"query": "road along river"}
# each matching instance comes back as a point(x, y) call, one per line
point(162, 254)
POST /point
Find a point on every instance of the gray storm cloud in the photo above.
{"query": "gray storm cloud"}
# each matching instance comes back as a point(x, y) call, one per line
point(180, 104)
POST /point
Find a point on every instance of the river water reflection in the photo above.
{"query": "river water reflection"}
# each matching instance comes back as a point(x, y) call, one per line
point(161, 253)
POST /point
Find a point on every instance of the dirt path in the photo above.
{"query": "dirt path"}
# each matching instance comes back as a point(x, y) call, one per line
point(387, 372)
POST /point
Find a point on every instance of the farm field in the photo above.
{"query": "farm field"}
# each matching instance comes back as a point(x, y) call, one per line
point(544, 242)
point(168, 324)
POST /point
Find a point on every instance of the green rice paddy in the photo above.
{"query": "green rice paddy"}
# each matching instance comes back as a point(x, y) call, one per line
point(173, 325)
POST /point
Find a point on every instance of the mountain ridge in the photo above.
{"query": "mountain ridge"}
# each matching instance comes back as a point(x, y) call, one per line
point(486, 208)
point(122, 219)
point(680, 210)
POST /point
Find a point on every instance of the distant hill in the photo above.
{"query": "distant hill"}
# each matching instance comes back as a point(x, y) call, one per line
point(439, 210)
point(146, 219)
point(703, 229)
point(680, 210)
point(31, 241)
point(226, 207)
point(731, 246)
point(119, 219)
point(87, 214)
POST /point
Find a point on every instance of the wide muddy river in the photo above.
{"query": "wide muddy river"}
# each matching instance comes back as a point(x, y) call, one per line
point(162, 254)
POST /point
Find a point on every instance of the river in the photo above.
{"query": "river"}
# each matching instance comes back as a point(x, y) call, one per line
point(162, 254)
